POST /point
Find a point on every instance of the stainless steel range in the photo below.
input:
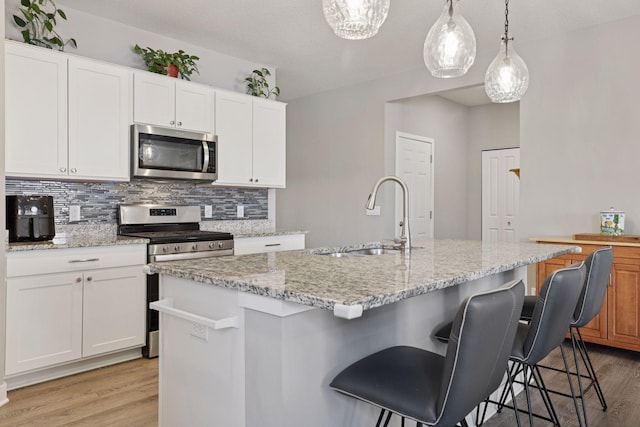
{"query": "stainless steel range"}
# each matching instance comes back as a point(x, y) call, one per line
point(174, 234)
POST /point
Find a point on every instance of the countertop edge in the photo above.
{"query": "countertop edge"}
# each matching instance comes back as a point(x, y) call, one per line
point(572, 241)
point(269, 234)
point(75, 242)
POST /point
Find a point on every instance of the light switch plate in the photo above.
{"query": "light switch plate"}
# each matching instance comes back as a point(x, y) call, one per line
point(240, 211)
point(208, 211)
point(375, 211)
point(74, 213)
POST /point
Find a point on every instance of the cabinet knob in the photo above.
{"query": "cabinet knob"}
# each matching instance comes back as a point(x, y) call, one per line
point(78, 279)
point(89, 279)
point(74, 170)
point(250, 179)
point(172, 122)
point(63, 169)
point(256, 179)
point(179, 123)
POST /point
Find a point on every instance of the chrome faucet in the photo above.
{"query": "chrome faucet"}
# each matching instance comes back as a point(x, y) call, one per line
point(405, 239)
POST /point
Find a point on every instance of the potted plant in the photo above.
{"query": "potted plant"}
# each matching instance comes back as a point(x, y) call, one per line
point(171, 64)
point(257, 84)
point(38, 21)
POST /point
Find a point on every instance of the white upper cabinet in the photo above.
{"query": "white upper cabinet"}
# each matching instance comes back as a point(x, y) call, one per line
point(251, 140)
point(165, 101)
point(99, 117)
point(66, 117)
point(35, 112)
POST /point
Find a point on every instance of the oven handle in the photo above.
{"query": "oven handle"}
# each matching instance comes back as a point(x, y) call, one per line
point(190, 255)
point(166, 306)
point(205, 164)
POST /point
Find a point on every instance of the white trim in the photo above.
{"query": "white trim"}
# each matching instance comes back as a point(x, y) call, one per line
point(3, 393)
point(433, 164)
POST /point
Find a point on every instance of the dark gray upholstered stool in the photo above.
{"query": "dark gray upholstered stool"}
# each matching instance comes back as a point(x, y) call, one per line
point(598, 265)
point(437, 390)
point(550, 320)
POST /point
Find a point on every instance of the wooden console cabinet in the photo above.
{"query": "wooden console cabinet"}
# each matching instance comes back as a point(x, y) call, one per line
point(618, 323)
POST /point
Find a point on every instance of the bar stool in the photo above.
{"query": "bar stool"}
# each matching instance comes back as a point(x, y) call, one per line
point(436, 390)
point(598, 265)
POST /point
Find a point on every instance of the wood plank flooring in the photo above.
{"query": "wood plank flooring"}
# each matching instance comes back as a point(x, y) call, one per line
point(127, 395)
point(120, 395)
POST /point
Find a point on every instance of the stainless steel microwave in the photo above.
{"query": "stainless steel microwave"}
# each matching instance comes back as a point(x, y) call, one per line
point(159, 152)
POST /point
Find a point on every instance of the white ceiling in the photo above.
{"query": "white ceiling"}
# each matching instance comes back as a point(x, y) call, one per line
point(293, 36)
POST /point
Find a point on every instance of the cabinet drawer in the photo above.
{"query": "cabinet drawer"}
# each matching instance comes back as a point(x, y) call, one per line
point(254, 245)
point(29, 263)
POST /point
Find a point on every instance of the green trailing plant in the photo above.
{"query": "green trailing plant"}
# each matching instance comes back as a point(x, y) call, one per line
point(161, 62)
point(38, 23)
point(257, 84)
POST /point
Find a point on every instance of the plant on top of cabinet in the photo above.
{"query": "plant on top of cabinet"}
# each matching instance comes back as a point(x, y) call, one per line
point(161, 62)
point(257, 84)
point(38, 21)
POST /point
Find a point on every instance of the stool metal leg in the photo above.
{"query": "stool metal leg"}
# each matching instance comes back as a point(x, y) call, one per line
point(573, 394)
point(592, 373)
point(382, 411)
point(580, 388)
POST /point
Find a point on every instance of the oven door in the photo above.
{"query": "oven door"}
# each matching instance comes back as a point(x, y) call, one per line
point(169, 153)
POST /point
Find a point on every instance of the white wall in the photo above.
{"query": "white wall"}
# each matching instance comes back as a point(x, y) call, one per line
point(579, 128)
point(107, 40)
point(446, 122)
point(490, 127)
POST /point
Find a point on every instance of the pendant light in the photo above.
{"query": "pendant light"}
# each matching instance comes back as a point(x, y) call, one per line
point(450, 46)
point(507, 77)
point(355, 19)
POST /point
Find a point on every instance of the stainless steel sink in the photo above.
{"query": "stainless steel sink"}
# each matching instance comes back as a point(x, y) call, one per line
point(358, 252)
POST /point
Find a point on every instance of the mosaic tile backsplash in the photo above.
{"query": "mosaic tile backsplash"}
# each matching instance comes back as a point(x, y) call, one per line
point(99, 200)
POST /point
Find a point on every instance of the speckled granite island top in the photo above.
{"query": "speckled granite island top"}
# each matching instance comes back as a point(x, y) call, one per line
point(309, 278)
point(76, 241)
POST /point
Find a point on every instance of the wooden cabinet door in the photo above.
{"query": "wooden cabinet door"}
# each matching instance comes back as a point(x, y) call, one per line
point(35, 112)
point(547, 267)
point(114, 310)
point(624, 304)
point(194, 107)
point(99, 100)
point(269, 143)
point(154, 99)
point(233, 112)
point(44, 321)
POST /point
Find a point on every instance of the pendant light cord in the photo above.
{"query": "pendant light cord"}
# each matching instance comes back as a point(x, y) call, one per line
point(506, 37)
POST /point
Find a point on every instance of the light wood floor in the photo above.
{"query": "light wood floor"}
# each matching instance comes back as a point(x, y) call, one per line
point(127, 395)
point(121, 395)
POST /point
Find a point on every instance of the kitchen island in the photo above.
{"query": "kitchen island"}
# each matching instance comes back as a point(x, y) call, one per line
point(254, 340)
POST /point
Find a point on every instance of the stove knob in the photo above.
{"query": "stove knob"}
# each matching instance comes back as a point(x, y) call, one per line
point(176, 248)
point(220, 245)
point(165, 249)
point(194, 247)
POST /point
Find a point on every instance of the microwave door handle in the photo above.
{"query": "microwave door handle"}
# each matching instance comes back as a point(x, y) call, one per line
point(205, 148)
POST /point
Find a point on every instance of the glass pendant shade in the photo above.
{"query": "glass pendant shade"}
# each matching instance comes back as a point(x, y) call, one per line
point(507, 77)
point(450, 46)
point(355, 19)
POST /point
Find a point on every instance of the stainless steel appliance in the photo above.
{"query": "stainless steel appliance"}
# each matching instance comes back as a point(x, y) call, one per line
point(174, 234)
point(159, 152)
point(30, 218)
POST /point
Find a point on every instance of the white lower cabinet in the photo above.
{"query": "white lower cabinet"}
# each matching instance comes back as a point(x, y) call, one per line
point(64, 305)
point(262, 244)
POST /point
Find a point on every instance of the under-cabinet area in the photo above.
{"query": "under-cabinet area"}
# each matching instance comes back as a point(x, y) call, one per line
point(69, 305)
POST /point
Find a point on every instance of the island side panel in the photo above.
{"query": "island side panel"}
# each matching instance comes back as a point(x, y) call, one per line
point(291, 359)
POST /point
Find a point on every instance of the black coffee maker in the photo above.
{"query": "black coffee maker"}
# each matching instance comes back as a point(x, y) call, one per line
point(30, 218)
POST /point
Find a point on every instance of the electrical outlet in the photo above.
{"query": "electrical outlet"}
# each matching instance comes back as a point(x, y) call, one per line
point(74, 213)
point(375, 211)
point(208, 211)
point(240, 211)
point(199, 330)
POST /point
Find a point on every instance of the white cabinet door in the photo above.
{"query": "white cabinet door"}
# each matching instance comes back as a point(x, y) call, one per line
point(194, 106)
point(233, 127)
point(44, 321)
point(35, 112)
point(114, 310)
point(154, 99)
point(99, 99)
point(269, 143)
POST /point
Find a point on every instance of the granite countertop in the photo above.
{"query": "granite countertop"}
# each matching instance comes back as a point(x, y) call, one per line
point(76, 241)
point(244, 235)
point(328, 282)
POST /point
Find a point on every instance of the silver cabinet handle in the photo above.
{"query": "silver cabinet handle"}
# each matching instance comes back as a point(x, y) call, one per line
point(74, 170)
point(63, 169)
point(84, 260)
point(89, 279)
point(273, 244)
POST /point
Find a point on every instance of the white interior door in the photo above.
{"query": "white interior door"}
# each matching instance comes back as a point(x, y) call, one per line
point(500, 195)
point(414, 165)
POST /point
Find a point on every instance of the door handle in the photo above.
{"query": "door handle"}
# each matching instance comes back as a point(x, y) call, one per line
point(84, 260)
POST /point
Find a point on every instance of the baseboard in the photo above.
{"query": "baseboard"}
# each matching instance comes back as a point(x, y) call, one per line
point(3, 393)
point(25, 379)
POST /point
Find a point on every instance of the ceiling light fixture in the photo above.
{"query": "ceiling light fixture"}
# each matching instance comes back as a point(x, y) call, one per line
point(450, 46)
point(507, 77)
point(355, 19)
